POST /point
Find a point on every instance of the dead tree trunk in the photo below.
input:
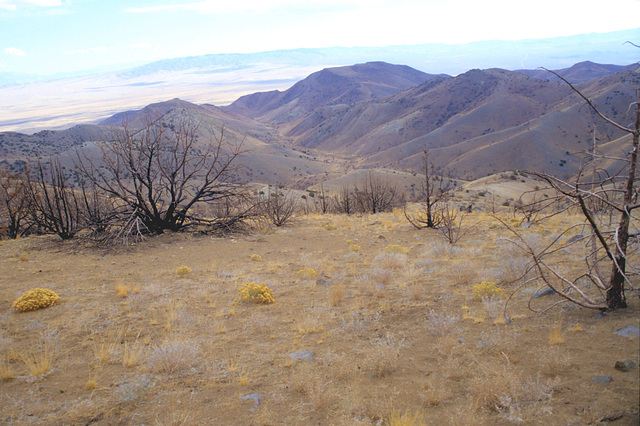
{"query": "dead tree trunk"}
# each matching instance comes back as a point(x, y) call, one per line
point(615, 294)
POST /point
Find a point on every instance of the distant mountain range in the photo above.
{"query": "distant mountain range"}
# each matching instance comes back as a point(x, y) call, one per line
point(29, 103)
point(555, 53)
point(381, 116)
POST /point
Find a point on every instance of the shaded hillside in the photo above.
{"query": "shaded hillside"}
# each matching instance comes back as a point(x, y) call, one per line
point(578, 73)
point(331, 86)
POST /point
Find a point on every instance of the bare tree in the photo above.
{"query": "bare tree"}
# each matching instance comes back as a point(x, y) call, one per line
point(14, 203)
point(162, 170)
point(375, 195)
point(54, 205)
point(451, 222)
point(277, 206)
point(605, 189)
point(435, 192)
point(323, 201)
point(99, 212)
point(344, 200)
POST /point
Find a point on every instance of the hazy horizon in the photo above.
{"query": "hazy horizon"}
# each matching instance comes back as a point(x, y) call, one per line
point(53, 37)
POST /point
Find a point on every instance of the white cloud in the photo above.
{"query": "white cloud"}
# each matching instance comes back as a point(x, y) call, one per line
point(15, 4)
point(14, 51)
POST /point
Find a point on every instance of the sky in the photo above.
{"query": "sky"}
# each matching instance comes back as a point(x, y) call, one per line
point(48, 37)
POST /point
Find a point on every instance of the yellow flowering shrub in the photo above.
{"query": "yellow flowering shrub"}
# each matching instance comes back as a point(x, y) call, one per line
point(256, 257)
point(183, 271)
point(396, 249)
point(123, 290)
point(486, 289)
point(306, 273)
point(34, 299)
point(256, 293)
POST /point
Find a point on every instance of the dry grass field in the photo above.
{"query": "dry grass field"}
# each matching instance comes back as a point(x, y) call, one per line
point(374, 323)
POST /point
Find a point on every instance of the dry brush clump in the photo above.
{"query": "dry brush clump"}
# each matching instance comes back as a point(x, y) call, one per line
point(382, 355)
point(440, 323)
point(173, 356)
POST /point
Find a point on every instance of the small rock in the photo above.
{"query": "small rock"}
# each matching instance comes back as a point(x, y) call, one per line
point(628, 331)
point(381, 237)
point(548, 291)
point(612, 417)
point(323, 282)
point(602, 379)
point(257, 399)
point(625, 364)
point(301, 356)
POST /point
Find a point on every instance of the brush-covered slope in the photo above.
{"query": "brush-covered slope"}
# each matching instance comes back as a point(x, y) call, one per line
point(19, 148)
point(331, 86)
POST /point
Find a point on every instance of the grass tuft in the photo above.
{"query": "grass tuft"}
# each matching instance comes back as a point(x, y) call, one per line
point(38, 363)
point(6, 372)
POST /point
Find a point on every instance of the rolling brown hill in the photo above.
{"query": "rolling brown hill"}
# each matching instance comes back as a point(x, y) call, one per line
point(579, 73)
point(382, 116)
point(262, 160)
point(330, 86)
point(480, 122)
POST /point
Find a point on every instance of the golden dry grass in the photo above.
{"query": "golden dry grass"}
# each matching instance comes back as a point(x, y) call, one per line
point(396, 334)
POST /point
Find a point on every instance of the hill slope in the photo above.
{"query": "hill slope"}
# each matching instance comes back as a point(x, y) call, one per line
point(580, 72)
point(376, 115)
point(330, 86)
point(476, 123)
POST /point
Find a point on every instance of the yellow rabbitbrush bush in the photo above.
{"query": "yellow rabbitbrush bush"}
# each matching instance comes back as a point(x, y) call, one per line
point(256, 293)
point(395, 248)
point(34, 299)
point(487, 289)
point(183, 271)
point(306, 273)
